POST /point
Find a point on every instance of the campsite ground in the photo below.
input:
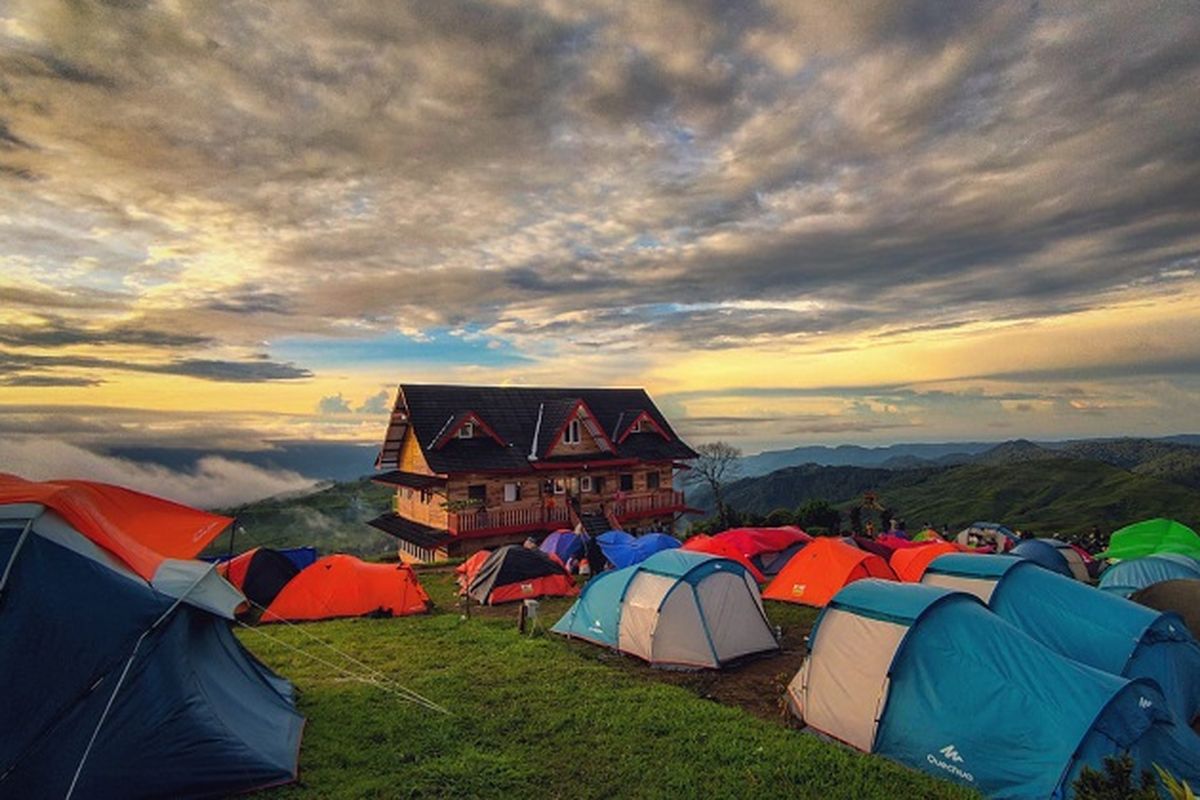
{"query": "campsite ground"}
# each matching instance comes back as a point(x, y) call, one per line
point(538, 716)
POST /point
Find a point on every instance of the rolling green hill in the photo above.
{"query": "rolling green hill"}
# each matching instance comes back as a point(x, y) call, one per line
point(1047, 493)
point(332, 519)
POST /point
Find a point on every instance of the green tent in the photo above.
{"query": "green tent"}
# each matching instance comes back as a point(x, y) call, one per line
point(1152, 536)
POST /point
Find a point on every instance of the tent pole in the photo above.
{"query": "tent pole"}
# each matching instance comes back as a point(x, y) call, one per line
point(12, 559)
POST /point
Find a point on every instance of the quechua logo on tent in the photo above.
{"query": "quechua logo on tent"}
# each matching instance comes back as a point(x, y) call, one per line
point(948, 759)
point(798, 589)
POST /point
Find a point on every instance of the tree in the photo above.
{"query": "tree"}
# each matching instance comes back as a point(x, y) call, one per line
point(818, 514)
point(856, 521)
point(718, 463)
point(781, 516)
point(1117, 782)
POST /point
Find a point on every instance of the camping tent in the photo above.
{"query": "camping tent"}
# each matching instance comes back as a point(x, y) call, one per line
point(929, 678)
point(1083, 623)
point(817, 572)
point(1152, 536)
point(1054, 555)
point(343, 586)
point(466, 571)
point(928, 535)
point(910, 563)
point(623, 550)
point(563, 545)
point(259, 574)
point(110, 634)
point(517, 573)
point(1126, 577)
point(987, 534)
point(713, 545)
point(676, 608)
point(874, 546)
point(767, 548)
point(1182, 597)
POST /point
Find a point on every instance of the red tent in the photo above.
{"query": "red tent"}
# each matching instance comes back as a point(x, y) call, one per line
point(752, 542)
point(344, 586)
point(467, 570)
point(717, 546)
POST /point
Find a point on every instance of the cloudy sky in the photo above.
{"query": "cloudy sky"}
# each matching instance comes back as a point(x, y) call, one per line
point(231, 224)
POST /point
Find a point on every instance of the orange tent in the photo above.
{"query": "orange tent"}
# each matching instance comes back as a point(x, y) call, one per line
point(467, 570)
point(816, 573)
point(715, 545)
point(910, 563)
point(137, 528)
point(344, 586)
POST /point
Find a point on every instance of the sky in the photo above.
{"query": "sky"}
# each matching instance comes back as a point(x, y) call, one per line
point(232, 225)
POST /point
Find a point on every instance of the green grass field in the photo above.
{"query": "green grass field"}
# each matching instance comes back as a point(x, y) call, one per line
point(538, 716)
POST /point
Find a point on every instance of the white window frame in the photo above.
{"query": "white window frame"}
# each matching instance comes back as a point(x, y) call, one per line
point(573, 433)
point(585, 484)
point(560, 486)
point(467, 431)
point(512, 492)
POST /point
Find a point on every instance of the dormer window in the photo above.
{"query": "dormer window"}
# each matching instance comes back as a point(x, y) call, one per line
point(467, 431)
point(571, 435)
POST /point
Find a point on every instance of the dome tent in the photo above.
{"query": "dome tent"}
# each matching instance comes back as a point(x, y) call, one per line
point(817, 572)
point(344, 586)
point(260, 574)
point(563, 545)
point(713, 545)
point(910, 563)
point(768, 549)
point(1084, 624)
point(623, 550)
point(1054, 555)
point(1180, 596)
point(514, 572)
point(1152, 536)
point(929, 678)
point(177, 706)
point(987, 534)
point(676, 608)
point(1126, 577)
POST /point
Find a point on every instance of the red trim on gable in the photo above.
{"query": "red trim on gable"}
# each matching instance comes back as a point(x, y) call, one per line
point(598, 433)
point(645, 415)
point(609, 462)
point(475, 420)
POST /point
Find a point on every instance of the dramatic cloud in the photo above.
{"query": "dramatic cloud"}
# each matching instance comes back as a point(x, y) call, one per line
point(214, 483)
point(674, 194)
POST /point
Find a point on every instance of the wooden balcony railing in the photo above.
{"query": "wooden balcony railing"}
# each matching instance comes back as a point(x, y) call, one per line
point(663, 500)
point(516, 520)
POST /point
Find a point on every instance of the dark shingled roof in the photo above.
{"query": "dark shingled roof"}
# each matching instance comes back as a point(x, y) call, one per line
point(412, 480)
point(409, 531)
point(512, 411)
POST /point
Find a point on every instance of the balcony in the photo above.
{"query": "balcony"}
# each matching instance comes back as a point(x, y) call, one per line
point(490, 522)
point(663, 501)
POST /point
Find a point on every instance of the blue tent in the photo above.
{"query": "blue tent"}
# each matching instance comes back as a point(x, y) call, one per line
point(623, 550)
point(1090, 626)
point(1054, 555)
point(1126, 577)
point(563, 544)
point(192, 713)
point(677, 607)
point(931, 679)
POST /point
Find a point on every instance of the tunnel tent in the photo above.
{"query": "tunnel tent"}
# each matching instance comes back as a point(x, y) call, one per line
point(1150, 537)
point(1179, 596)
point(1085, 624)
point(1126, 577)
point(910, 563)
point(677, 608)
point(260, 574)
point(514, 572)
point(177, 707)
point(341, 585)
point(1054, 555)
point(969, 572)
point(816, 573)
point(929, 678)
point(623, 549)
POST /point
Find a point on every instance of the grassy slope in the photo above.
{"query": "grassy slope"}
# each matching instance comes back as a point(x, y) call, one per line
point(542, 717)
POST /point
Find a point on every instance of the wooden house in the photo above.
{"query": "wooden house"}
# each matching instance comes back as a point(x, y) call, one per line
point(480, 466)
